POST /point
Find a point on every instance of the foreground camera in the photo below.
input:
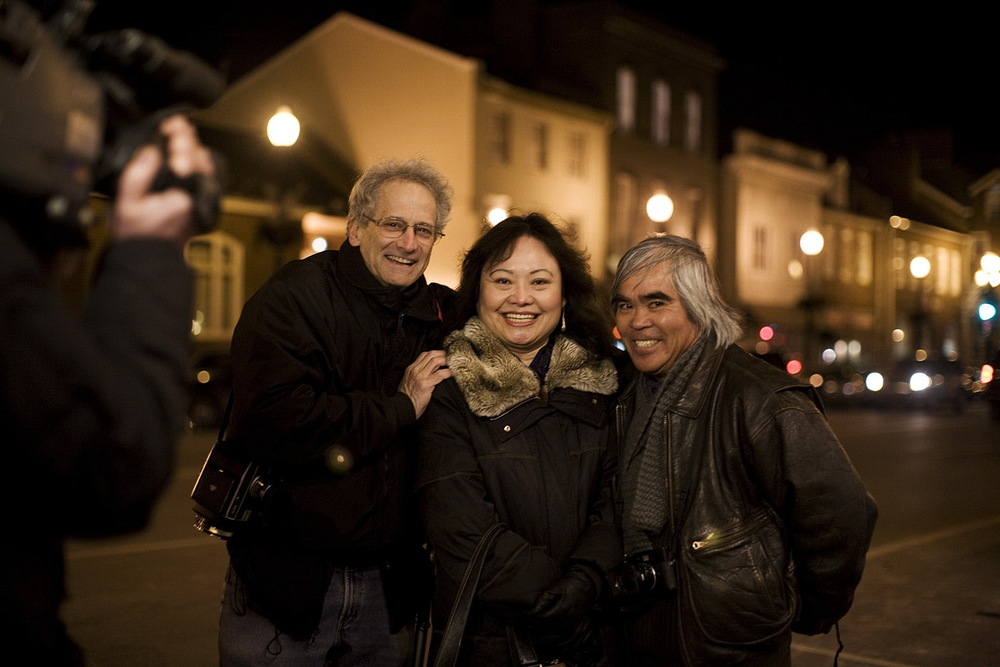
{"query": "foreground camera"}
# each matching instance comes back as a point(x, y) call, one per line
point(74, 107)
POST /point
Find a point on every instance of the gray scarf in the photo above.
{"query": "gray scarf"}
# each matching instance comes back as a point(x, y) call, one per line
point(644, 471)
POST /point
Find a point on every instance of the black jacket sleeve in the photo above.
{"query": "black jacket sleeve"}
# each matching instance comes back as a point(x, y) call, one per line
point(94, 404)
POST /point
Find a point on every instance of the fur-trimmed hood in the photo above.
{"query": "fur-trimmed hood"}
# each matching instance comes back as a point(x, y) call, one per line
point(493, 380)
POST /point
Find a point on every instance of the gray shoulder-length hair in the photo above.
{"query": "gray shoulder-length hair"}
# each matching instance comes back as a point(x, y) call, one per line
point(693, 278)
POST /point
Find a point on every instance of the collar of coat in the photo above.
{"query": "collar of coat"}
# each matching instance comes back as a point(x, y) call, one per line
point(415, 300)
point(493, 380)
point(765, 377)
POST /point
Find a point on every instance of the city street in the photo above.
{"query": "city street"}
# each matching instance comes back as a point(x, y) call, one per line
point(930, 596)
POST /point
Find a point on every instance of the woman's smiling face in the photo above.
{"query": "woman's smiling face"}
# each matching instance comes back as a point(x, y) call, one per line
point(520, 298)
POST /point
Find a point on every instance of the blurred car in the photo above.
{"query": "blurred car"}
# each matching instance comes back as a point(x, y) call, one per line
point(990, 385)
point(930, 384)
point(211, 381)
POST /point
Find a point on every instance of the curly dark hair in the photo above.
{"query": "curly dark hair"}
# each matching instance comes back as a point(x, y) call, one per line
point(587, 322)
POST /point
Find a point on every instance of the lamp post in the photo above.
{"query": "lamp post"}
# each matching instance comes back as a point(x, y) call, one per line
point(281, 230)
point(811, 244)
point(920, 268)
point(987, 280)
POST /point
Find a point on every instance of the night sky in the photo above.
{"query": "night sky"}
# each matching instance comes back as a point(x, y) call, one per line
point(831, 77)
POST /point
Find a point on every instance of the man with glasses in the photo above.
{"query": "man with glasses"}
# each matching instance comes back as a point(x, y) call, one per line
point(331, 372)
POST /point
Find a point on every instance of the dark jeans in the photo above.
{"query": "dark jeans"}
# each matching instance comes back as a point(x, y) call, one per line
point(354, 629)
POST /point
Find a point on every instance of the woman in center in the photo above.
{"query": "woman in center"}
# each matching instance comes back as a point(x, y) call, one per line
point(519, 435)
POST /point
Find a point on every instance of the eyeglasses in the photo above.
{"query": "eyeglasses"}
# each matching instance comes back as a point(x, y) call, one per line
point(393, 228)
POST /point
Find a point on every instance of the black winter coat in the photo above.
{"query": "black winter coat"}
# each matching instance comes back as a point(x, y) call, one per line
point(91, 407)
point(769, 520)
point(494, 448)
point(318, 355)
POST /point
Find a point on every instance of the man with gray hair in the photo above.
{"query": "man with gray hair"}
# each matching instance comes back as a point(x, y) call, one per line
point(743, 518)
point(331, 370)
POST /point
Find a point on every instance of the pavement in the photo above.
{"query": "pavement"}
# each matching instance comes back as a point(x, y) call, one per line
point(932, 601)
point(152, 599)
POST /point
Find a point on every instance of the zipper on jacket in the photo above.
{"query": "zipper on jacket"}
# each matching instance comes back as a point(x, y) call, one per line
point(723, 538)
point(667, 469)
point(514, 407)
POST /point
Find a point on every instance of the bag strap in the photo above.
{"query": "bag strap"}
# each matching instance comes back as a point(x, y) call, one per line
point(451, 641)
point(522, 649)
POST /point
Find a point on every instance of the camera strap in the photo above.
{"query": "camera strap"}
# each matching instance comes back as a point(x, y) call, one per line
point(224, 424)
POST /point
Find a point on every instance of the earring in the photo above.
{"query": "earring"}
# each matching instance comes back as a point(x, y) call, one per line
point(562, 326)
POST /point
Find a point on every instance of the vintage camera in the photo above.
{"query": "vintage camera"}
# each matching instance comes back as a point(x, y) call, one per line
point(75, 106)
point(230, 491)
point(644, 574)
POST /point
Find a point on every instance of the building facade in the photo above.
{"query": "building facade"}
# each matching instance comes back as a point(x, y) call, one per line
point(877, 292)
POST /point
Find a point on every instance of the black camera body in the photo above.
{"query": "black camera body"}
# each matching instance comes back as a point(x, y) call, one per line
point(75, 106)
point(230, 491)
point(645, 574)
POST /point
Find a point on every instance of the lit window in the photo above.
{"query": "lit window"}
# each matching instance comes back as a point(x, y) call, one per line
point(692, 109)
point(217, 262)
point(760, 248)
point(943, 272)
point(624, 212)
point(661, 112)
point(992, 204)
point(865, 266)
point(848, 268)
point(625, 95)
point(500, 137)
point(955, 284)
point(540, 144)
point(577, 157)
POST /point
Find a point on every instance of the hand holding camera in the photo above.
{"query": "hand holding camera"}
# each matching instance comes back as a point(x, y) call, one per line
point(79, 108)
point(146, 208)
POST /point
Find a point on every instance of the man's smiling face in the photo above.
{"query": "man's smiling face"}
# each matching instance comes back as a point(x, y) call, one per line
point(400, 261)
point(652, 320)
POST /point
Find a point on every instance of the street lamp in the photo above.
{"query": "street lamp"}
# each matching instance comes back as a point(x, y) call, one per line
point(920, 268)
point(811, 243)
point(283, 128)
point(989, 270)
point(660, 207)
point(987, 280)
point(281, 230)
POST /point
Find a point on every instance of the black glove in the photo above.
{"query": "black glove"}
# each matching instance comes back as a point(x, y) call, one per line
point(572, 595)
point(578, 643)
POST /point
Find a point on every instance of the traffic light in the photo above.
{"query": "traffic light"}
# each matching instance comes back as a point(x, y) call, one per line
point(987, 308)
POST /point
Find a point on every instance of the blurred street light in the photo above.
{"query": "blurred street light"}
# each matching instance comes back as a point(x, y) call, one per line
point(283, 127)
point(811, 242)
point(989, 270)
point(920, 266)
point(660, 207)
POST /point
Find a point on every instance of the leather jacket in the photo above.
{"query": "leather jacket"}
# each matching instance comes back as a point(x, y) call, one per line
point(768, 522)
